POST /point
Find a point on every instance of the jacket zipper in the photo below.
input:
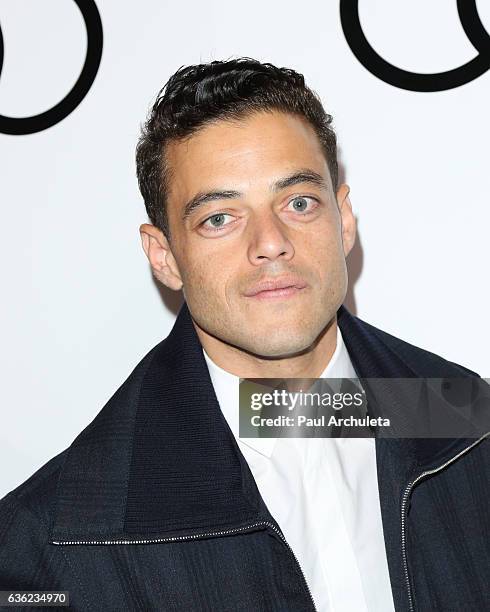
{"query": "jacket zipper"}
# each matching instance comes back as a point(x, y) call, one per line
point(281, 535)
point(405, 498)
point(195, 537)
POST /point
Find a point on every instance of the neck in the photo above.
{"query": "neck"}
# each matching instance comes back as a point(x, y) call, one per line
point(310, 363)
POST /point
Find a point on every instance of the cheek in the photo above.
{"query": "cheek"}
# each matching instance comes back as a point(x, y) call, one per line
point(204, 279)
point(325, 249)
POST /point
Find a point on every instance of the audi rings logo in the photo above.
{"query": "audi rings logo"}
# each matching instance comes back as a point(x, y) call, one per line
point(37, 123)
point(414, 81)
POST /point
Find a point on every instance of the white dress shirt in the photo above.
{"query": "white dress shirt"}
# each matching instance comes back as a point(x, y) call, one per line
point(323, 493)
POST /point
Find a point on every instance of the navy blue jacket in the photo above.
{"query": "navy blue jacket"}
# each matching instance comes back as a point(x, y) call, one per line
point(153, 506)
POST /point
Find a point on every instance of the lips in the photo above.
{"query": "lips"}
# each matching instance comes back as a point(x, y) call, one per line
point(274, 284)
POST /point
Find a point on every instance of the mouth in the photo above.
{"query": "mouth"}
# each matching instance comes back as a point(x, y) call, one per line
point(274, 289)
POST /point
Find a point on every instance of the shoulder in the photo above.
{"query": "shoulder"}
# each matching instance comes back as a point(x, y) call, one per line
point(35, 494)
point(421, 361)
point(434, 364)
point(36, 497)
point(25, 516)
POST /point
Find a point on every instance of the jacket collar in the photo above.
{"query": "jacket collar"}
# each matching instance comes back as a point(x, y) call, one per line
point(160, 460)
point(378, 355)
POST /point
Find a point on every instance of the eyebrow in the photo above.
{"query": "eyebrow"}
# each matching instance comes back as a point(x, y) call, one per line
point(302, 176)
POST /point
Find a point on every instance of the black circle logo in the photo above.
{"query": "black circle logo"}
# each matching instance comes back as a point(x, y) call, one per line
point(37, 123)
point(414, 81)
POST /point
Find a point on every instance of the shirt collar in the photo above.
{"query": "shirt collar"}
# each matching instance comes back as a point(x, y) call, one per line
point(226, 388)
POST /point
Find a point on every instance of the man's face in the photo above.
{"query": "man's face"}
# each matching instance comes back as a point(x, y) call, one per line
point(258, 230)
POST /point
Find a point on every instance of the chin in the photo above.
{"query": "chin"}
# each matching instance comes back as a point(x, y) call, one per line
point(284, 345)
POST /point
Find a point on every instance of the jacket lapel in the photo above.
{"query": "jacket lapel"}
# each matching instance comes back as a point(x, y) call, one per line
point(159, 459)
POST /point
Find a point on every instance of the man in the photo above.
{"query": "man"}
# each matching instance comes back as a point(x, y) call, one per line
point(158, 504)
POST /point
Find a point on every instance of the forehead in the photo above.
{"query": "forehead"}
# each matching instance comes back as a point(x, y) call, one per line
point(247, 152)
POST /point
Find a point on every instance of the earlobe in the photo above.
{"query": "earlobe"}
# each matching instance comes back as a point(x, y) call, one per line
point(162, 261)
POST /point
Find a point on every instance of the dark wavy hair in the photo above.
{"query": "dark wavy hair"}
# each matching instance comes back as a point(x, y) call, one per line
point(195, 96)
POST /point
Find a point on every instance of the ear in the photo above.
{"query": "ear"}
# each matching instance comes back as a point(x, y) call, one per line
point(347, 218)
point(160, 256)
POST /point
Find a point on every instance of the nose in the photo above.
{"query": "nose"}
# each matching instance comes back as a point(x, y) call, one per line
point(269, 240)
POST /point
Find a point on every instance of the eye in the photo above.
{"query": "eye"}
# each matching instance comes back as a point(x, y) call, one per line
point(215, 222)
point(300, 204)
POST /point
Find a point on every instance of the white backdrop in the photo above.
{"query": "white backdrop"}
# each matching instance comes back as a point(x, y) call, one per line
point(81, 308)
